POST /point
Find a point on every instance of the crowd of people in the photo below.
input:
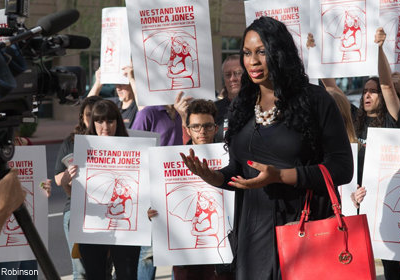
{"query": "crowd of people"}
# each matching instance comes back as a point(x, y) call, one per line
point(277, 128)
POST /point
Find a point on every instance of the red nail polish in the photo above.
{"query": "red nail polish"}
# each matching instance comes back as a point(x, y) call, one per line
point(230, 183)
point(249, 162)
point(196, 158)
point(233, 179)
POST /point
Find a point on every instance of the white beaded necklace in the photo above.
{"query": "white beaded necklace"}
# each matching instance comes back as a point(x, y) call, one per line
point(267, 117)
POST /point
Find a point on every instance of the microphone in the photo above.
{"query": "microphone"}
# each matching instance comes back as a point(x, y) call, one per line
point(56, 22)
point(47, 25)
point(71, 41)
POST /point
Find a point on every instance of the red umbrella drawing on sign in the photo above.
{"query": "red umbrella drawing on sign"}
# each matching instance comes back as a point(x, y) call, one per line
point(158, 44)
point(13, 231)
point(201, 205)
point(335, 19)
point(182, 200)
point(108, 181)
point(117, 190)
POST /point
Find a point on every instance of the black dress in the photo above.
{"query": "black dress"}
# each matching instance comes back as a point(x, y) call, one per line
point(258, 211)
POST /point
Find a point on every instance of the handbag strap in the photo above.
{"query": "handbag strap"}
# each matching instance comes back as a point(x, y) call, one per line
point(335, 203)
point(305, 213)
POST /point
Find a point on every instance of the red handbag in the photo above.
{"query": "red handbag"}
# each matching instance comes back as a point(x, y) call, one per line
point(333, 248)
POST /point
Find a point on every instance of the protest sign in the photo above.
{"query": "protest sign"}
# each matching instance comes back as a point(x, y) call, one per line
point(110, 194)
point(344, 34)
point(389, 19)
point(193, 217)
point(381, 178)
point(293, 13)
point(3, 23)
point(115, 49)
point(145, 134)
point(30, 161)
point(171, 50)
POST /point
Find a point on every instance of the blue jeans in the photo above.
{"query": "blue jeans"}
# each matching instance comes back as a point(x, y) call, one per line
point(19, 265)
point(146, 270)
point(78, 271)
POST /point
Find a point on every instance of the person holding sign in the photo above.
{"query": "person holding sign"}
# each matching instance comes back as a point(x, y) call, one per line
point(280, 129)
point(126, 95)
point(64, 172)
point(106, 120)
point(201, 127)
point(379, 107)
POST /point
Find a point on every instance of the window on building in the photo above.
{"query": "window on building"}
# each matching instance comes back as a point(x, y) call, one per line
point(230, 45)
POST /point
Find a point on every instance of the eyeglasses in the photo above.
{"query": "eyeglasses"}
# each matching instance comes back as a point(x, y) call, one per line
point(236, 74)
point(196, 127)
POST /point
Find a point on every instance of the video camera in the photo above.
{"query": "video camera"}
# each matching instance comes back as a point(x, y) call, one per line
point(25, 79)
point(26, 76)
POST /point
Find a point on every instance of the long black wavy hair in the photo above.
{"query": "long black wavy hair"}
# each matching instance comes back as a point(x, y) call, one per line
point(381, 111)
point(289, 80)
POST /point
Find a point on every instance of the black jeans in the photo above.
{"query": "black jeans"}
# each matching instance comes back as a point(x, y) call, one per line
point(124, 258)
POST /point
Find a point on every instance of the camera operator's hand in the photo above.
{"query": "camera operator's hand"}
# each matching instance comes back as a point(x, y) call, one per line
point(11, 195)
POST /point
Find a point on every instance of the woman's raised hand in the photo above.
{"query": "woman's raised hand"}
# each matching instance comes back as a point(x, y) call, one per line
point(193, 163)
point(380, 36)
point(201, 169)
point(268, 175)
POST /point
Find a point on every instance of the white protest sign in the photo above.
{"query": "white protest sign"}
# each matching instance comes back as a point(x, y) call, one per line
point(344, 33)
point(171, 50)
point(115, 49)
point(3, 23)
point(389, 19)
point(30, 161)
point(193, 217)
point(145, 134)
point(381, 178)
point(110, 194)
point(293, 13)
point(345, 191)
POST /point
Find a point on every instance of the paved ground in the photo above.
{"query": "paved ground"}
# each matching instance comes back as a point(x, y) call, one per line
point(50, 133)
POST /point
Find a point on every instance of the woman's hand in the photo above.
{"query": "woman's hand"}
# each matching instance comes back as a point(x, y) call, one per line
point(66, 179)
point(358, 196)
point(380, 36)
point(310, 41)
point(193, 163)
point(151, 213)
point(201, 169)
point(127, 71)
point(268, 174)
point(46, 185)
point(181, 104)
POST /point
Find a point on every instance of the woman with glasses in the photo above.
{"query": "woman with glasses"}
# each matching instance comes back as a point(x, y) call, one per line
point(280, 129)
